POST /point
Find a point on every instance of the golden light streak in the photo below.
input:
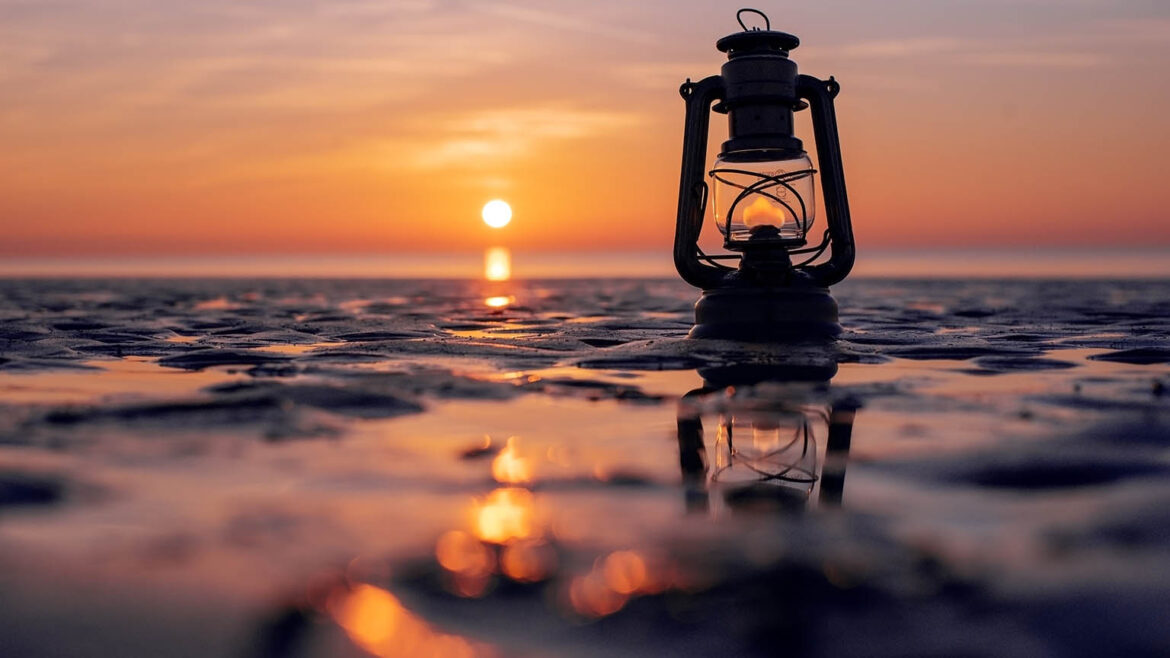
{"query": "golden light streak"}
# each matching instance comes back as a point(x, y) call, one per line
point(497, 264)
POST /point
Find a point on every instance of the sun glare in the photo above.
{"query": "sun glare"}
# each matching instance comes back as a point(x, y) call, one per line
point(497, 213)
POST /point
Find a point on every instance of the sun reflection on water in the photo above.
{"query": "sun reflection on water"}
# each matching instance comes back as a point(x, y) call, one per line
point(528, 561)
point(499, 301)
point(509, 467)
point(510, 539)
point(468, 561)
point(625, 572)
point(497, 264)
point(507, 514)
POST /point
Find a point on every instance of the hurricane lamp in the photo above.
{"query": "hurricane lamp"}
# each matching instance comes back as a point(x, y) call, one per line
point(773, 281)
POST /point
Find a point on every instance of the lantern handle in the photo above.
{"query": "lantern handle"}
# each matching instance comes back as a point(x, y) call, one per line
point(820, 95)
point(749, 10)
point(692, 193)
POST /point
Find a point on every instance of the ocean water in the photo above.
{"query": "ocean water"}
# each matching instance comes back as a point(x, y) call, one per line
point(293, 467)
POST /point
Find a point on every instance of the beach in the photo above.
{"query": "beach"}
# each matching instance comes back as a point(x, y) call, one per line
point(550, 467)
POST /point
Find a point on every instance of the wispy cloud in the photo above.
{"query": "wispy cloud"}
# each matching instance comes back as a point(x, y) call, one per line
point(1148, 30)
point(1051, 52)
point(572, 22)
point(1039, 59)
point(662, 75)
point(912, 47)
point(486, 138)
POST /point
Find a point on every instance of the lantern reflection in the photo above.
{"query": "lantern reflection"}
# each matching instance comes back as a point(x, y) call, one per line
point(770, 453)
point(766, 444)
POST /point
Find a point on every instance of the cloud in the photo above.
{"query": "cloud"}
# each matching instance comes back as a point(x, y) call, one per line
point(1150, 30)
point(573, 22)
point(485, 138)
point(911, 47)
point(1051, 52)
point(660, 76)
point(1039, 59)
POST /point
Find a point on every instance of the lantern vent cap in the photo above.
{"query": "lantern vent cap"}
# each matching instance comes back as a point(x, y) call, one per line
point(754, 40)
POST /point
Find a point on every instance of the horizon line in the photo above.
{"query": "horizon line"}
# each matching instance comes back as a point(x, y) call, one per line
point(951, 262)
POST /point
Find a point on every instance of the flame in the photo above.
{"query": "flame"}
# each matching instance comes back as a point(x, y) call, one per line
point(762, 212)
point(509, 467)
point(506, 515)
point(497, 264)
point(376, 621)
point(766, 438)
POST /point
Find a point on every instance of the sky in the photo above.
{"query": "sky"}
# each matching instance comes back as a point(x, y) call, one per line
point(156, 127)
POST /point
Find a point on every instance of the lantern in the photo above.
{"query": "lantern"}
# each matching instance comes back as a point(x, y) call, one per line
point(773, 282)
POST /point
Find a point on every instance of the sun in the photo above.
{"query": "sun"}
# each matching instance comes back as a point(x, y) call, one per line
point(497, 213)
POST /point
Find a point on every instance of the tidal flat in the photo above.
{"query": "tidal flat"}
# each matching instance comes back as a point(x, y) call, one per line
point(283, 467)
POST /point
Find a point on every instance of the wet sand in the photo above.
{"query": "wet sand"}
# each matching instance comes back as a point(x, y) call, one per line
point(412, 468)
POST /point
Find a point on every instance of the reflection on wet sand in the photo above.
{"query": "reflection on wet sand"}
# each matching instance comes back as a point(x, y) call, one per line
point(469, 562)
point(509, 539)
point(376, 621)
point(1014, 466)
point(616, 579)
point(505, 535)
point(765, 449)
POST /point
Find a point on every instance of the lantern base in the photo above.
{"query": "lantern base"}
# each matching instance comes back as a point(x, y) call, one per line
point(766, 314)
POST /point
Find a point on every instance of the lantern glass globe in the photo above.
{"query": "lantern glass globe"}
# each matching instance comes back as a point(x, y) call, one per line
point(758, 198)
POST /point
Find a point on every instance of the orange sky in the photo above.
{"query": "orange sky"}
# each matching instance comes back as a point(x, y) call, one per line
point(290, 126)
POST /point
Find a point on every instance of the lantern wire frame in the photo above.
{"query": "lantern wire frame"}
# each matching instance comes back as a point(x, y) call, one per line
point(760, 187)
point(801, 475)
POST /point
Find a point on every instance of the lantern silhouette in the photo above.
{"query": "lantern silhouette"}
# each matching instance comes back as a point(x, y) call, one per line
point(773, 282)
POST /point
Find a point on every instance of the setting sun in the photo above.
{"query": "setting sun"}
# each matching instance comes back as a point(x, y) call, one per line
point(497, 213)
